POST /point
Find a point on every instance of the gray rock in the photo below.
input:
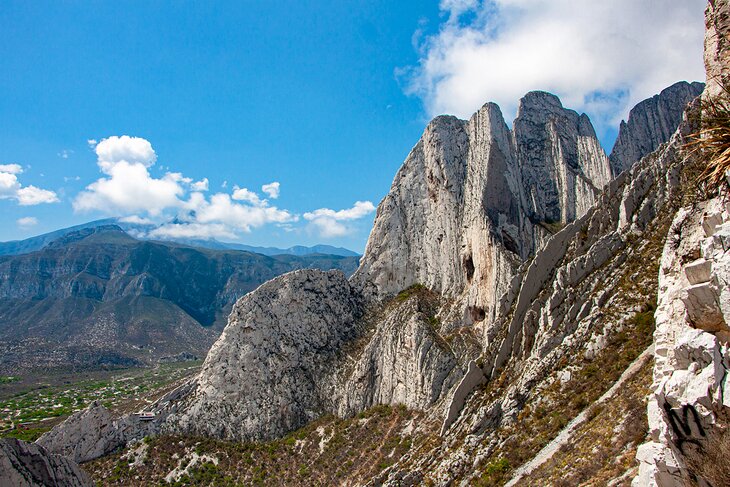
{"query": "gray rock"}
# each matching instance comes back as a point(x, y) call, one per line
point(29, 465)
point(717, 46)
point(651, 123)
point(266, 375)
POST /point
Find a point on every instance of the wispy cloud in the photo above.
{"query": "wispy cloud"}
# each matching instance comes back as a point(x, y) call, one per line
point(599, 57)
point(27, 222)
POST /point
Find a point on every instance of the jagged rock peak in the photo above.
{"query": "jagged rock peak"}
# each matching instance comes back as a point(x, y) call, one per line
point(651, 123)
point(474, 199)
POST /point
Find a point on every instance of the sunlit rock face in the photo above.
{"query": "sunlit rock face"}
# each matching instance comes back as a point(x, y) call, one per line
point(474, 199)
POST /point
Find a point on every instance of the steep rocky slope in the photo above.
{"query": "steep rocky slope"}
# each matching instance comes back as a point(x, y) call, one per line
point(98, 296)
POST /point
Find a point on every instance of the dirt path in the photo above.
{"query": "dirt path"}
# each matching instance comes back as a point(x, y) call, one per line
point(564, 436)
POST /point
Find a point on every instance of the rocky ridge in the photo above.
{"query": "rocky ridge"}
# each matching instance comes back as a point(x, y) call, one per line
point(651, 123)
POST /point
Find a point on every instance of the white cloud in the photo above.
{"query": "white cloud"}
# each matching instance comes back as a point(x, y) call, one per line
point(220, 209)
point(599, 57)
point(27, 221)
point(128, 188)
point(11, 188)
point(125, 149)
point(271, 189)
point(193, 230)
point(9, 185)
point(201, 185)
point(30, 195)
point(243, 194)
point(11, 168)
point(328, 223)
point(137, 220)
point(64, 154)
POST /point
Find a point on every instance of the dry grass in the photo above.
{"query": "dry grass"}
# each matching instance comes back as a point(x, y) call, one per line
point(708, 459)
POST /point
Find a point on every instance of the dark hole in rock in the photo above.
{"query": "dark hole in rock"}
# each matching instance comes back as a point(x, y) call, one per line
point(477, 313)
point(469, 267)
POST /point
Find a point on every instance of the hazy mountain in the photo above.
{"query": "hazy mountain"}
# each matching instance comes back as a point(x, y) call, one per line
point(16, 247)
point(97, 295)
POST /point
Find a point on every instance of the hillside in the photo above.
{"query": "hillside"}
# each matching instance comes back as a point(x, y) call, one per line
point(97, 296)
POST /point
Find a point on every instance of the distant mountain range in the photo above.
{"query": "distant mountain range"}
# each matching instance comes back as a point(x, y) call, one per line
point(94, 295)
point(17, 247)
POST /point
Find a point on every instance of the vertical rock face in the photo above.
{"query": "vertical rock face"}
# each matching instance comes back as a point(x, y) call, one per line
point(651, 123)
point(473, 200)
point(29, 465)
point(562, 164)
point(717, 46)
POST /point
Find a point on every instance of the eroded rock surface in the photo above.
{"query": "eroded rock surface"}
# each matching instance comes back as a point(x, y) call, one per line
point(267, 374)
point(29, 465)
point(689, 405)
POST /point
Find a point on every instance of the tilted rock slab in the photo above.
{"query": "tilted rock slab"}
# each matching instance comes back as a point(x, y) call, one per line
point(29, 465)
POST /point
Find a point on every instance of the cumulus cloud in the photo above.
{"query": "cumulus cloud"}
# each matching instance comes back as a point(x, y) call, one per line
point(221, 209)
point(30, 195)
point(11, 188)
point(599, 57)
point(243, 194)
point(127, 188)
point(27, 222)
point(201, 185)
point(124, 150)
point(130, 189)
point(11, 168)
point(330, 223)
point(271, 189)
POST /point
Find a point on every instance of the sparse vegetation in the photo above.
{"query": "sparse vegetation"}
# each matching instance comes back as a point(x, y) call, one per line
point(28, 414)
point(329, 451)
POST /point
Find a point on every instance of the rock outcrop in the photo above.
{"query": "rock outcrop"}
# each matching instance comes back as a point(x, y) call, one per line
point(29, 465)
point(267, 374)
point(689, 406)
point(651, 123)
point(473, 200)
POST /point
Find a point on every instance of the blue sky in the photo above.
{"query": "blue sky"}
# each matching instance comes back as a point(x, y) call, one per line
point(324, 98)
